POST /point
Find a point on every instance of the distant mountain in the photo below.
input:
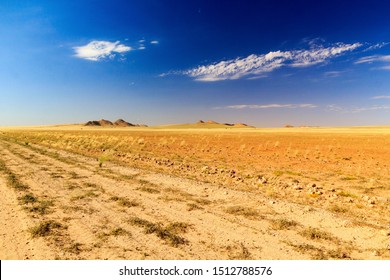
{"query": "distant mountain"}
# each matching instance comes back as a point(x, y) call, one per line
point(206, 124)
point(123, 123)
point(117, 123)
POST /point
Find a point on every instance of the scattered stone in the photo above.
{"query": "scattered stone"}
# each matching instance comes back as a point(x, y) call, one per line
point(311, 185)
point(263, 180)
point(298, 187)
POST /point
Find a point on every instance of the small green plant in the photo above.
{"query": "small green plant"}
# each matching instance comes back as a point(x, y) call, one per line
point(102, 159)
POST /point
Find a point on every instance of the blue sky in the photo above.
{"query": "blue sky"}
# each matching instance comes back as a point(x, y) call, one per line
point(265, 63)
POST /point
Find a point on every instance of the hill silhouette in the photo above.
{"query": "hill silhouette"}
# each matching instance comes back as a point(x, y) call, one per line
point(117, 123)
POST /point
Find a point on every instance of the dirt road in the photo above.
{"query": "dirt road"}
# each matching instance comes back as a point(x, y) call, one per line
point(58, 205)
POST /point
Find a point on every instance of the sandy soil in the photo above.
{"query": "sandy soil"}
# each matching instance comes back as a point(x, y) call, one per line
point(70, 208)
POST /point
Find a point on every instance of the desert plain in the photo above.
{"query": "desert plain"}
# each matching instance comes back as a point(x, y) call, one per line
point(191, 192)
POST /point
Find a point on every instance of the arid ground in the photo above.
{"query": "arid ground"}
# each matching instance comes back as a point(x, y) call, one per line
point(74, 192)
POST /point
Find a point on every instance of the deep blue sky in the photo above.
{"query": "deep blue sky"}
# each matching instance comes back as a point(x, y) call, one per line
point(265, 63)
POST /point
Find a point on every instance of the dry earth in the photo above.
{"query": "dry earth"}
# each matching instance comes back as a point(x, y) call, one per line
point(59, 202)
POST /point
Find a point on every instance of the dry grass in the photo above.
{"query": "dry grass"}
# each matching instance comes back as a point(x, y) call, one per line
point(283, 224)
point(316, 234)
point(45, 228)
point(125, 202)
point(168, 233)
point(242, 211)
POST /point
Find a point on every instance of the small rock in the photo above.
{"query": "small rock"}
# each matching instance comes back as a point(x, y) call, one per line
point(263, 180)
point(371, 201)
point(311, 185)
point(272, 202)
point(298, 188)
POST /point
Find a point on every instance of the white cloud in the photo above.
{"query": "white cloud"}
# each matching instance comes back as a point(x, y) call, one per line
point(155, 42)
point(373, 58)
point(260, 64)
point(98, 50)
point(141, 41)
point(354, 109)
point(320, 54)
point(381, 97)
point(141, 47)
point(269, 106)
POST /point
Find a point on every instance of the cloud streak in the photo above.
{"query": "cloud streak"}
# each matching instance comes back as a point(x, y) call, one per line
point(381, 97)
point(373, 58)
point(336, 108)
point(99, 50)
point(271, 106)
point(254, 65)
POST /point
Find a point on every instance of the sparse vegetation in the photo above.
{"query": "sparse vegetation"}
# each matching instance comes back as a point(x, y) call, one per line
point(122, 201)
point(283, 224)
point(41, 208)
point(45, 228)
point(167, 234)
point(316, 234)
point(28, 198)
point(148, 189)
point(267, 176)
point(242, 211)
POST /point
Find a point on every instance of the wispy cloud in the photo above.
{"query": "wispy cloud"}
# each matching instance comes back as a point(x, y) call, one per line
point(333, 74)
point(99, 50)
point(372, 108)
point(354, 109)
point(376, 46)
point(373, 58)
point(255, 65)
point(154, 42)
point(334, 108)
point(381, 97)
point(269, 106)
